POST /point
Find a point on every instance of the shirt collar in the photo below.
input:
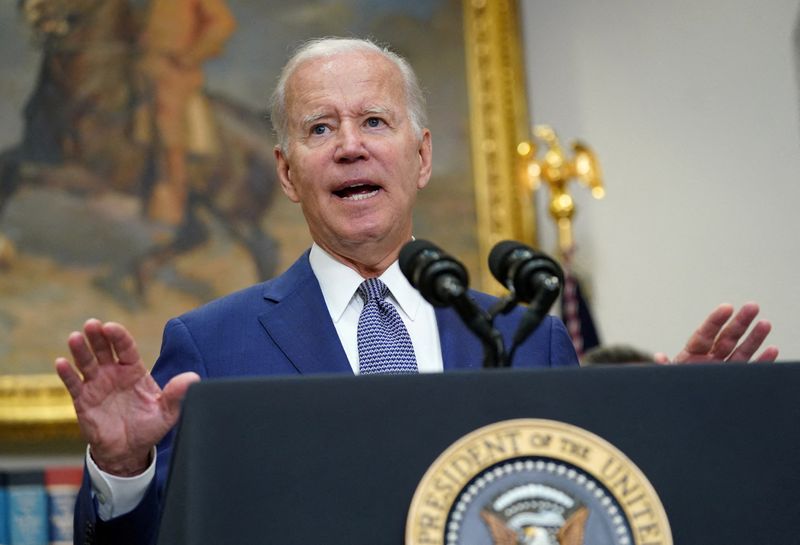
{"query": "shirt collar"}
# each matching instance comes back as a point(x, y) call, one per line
point(339, 284)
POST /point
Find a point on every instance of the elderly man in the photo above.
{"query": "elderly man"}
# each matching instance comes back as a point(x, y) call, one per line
point(353, 152)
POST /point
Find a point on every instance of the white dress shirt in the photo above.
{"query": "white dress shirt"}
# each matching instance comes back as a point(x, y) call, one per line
point(339, 284)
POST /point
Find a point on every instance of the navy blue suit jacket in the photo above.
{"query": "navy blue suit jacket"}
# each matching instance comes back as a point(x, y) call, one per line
point(282, 327)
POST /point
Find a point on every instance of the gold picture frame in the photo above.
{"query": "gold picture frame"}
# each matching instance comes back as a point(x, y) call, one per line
point(37, 408)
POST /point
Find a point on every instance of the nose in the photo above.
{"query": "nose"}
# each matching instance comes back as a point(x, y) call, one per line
point(350, 144)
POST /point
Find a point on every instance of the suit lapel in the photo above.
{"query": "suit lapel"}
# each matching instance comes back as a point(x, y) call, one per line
point(299, 323)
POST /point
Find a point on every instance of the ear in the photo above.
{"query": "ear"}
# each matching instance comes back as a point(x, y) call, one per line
point(284, 171)
point(425, 152)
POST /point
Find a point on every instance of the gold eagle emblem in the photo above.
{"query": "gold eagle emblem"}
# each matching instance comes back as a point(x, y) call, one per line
point(571, 533)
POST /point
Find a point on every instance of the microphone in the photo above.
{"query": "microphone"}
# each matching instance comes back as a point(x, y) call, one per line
point(532, 277)
point(524, 271)
point(442, 280)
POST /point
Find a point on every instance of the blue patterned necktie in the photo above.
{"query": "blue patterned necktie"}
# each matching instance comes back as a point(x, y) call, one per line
point(383, 342)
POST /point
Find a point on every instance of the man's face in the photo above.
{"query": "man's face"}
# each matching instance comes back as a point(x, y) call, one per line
point(352, 160)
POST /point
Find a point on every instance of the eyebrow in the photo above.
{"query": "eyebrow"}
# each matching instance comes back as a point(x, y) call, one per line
point(376, 110)
point(313, 118)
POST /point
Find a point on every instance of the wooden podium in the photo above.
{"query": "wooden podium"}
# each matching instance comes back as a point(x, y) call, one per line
point(337, 460)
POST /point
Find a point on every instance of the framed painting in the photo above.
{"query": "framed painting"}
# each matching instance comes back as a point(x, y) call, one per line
point(84, 229)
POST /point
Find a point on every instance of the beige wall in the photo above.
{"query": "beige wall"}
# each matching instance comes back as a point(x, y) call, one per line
point(693, 109)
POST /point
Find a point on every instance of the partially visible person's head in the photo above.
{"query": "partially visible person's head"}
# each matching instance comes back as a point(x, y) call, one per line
point(615, 354)
point(324, 47)
point(353, 152)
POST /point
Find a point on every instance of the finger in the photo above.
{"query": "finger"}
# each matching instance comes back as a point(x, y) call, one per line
point(752, 342)
point(72, 381)
point(769, 354)
point(702, 340)
point(93, 329)
point(122, 342)
point(82, 355)
point(174, 392)
point(727, 340)
point(661, 358)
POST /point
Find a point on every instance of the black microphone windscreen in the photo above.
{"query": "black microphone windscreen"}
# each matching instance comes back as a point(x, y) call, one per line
point(409, 253)
point(498, 259)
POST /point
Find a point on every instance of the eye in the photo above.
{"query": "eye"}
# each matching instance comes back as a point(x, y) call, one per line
point(374, 122)
point(319, 129)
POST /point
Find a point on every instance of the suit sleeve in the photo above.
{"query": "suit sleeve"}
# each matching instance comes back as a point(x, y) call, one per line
point(548, 346)
point(562, 351)
point(139, 527)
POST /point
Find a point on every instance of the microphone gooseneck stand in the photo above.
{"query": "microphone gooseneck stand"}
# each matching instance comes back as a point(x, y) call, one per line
point(531, 277)
point(442, 280)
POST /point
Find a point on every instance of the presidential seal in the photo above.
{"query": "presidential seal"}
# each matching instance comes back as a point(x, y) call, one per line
point(535, 482)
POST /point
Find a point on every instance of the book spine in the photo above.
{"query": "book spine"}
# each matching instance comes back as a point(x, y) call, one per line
point(27, 508)
point(4, 535)
point(62, 485)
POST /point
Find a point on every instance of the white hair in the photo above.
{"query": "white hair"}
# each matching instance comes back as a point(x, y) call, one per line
point(325, 47)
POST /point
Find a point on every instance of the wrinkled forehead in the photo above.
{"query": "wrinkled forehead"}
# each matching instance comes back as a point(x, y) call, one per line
point(351, 72)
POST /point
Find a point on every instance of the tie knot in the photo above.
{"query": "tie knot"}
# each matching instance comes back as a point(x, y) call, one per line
point(372, 289)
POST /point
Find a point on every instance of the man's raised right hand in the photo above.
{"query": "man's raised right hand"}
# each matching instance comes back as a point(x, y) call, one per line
point(122, 412)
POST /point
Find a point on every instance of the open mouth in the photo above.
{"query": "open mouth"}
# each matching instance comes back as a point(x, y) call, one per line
point(357, 192)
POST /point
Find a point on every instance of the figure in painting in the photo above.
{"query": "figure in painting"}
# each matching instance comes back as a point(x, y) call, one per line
point(177, 38)
point(120, 106)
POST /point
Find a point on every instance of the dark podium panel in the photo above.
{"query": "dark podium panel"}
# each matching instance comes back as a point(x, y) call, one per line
point(336, 460)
